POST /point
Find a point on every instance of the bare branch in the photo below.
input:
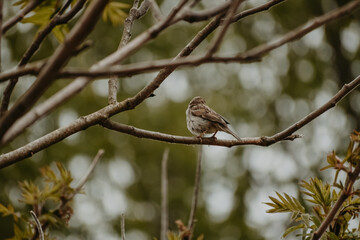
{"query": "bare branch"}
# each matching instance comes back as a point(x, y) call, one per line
point(134, 14)
point(54, 64)
point(155, 10)
point(194, 204)
point(141, 133)
point(84, 179)
point(164, 196)
point(346, 89)
point(299, 32)
point(34, 46)
point(221, 34)
point(196, 16)
point(21, 14)
point(38, 225)
point(122, 226)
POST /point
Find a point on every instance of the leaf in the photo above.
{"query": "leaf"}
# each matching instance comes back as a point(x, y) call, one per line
point(113, 12)
point(285, 203)
point(292, 229)
point(201, 237)
point(41, 16)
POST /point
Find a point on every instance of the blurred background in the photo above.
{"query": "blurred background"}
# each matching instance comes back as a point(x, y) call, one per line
point(257, 99)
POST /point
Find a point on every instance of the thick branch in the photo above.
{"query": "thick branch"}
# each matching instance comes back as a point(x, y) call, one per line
point(34, 46)
point(62, 54)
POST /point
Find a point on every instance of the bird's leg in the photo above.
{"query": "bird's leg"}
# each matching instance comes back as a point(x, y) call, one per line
point(201, 136)
point(213, 136)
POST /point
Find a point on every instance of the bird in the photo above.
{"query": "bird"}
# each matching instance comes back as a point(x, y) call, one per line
point(201, 119)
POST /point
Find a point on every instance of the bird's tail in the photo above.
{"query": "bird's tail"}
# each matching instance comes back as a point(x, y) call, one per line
point(233, 134)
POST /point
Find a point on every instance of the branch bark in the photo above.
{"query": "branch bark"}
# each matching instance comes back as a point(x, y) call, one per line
point(46, 77)
point(17, 18)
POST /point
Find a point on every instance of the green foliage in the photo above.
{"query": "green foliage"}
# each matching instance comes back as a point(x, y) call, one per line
point(114, 13)
point(56, 193)
point(44, 13)
point(323, 197)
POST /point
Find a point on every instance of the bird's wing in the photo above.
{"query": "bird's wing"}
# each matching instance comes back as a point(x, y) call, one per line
point(210, 115)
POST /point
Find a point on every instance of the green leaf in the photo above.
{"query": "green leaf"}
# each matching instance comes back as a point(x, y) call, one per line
point(41, 16)
point(114, 13)
point(292, 229)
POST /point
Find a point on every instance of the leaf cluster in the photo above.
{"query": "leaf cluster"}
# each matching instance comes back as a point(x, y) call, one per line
point(46, 10)
point(322, 197)
point(51, 202)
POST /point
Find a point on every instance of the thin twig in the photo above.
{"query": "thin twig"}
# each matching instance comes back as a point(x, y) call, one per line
point(38, 225)
point(21, 14)
point(195, 198)
point(221, 34)
point(141, 133)
point(134, 13)
point(91, 168)
point(123, 226)
point(164, 196)
point(299, 32)
point(155, 10)
point(196, 16)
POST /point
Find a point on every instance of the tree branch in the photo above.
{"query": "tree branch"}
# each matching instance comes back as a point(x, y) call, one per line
point(38, 225)
point(135, 13)
point(195, 198)
point(299, 32)
point(80, 83)
point(17, 18)
point(141, 133)
point(164, 196)
point(46, 77)
point(34, 46)
point(221, 34)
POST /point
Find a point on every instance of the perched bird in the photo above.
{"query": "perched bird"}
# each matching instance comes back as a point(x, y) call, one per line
point(201, 119)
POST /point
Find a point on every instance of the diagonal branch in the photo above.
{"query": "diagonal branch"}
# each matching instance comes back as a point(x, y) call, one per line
point(135, 13)
point(58, 19)
point(221, 34)
point(61, 56)
point(21, 14)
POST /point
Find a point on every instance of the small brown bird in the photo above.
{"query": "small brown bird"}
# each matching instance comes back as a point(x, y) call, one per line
point(201, 119)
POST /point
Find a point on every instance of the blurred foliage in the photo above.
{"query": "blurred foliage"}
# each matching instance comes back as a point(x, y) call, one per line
point(51, 203)
point(323, 196)
point(258, 99)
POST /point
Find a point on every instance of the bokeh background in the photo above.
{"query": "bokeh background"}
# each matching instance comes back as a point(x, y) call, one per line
point(258, 99)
